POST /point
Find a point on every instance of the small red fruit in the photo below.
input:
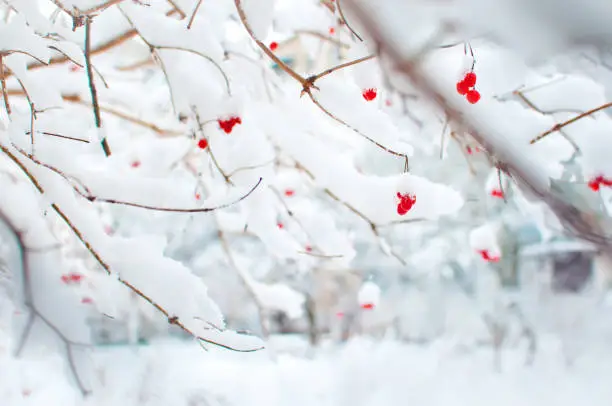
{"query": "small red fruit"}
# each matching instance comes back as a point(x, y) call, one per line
point(468, 149)
point(289, 192)
point(135, 164)
point(473, 96)
point(367, 306)
point(487, 256)
point(273, 46)
point(76, 277)
point(497, 193)
point(203, 143)
point(462, 88)
point(280, 225)
point(198, 196)
point(66, 279)
point(406, 203)
point(308, 248)
point(470, 79)
point(87, 300)
point(369, 94)
point(332, 30)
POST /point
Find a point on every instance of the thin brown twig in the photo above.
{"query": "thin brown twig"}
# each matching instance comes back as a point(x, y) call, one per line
point(559, 126)
point(4, 89)
point(92, 87)
point(193, 14)
point(61, 136)
point(172, 319)
point(346, 22)
point(76, 99)
point(101, 7)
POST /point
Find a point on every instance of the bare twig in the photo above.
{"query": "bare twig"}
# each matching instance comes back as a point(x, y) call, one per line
point(193, 14)
point(92, 87)
point(4, 90)
point(338, 2)
point(559, 126)
point(61, 136)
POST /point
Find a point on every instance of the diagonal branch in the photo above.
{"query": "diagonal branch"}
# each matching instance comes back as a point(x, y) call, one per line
point(172, 319)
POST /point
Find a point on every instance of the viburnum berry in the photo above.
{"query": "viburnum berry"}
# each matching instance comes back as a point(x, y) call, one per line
point(228, 124)
point(487, 256)
point(369, 94)
point(406, 203)
point(308, 248)
point(273, 46)
point(87, 300)
point(367, 306)
point(473, 96)
point(280, 225)
point(332, 30)
point(470, 79)
point(203, 143)
point(198, 196)
point(135, 164)
point(289, 192)
point(462, 88)
point(497, 193)
point(597, 182)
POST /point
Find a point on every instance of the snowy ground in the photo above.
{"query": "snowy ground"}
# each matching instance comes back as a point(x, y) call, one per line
point(362, 373)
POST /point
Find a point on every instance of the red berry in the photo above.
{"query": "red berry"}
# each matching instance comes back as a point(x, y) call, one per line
point(406, 203)
point(228, 124)
point(289, 192)
point(66, 279)
point(76, 277)
point(369, 94)
point(135, 164)
point(280, 225)
point(462, 88)
point(308, 248)
point(203, 143)
point(470, 79)
point(497, 193)
point(273, 46)
point(473, 96)
point(468, 149)
point(86, 300)
point(367, 306)
point(487, 256)
point(606, 182)
point(332, 30)
point(594, 184)
point(198, 196)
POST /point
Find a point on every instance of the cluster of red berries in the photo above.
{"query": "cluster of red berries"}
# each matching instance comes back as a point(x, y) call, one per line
point(228, 124)
point(487, 256)
point(369, 94)
point(466, 88)
point(72, 278)
point(597, 182)
point(405, 204)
